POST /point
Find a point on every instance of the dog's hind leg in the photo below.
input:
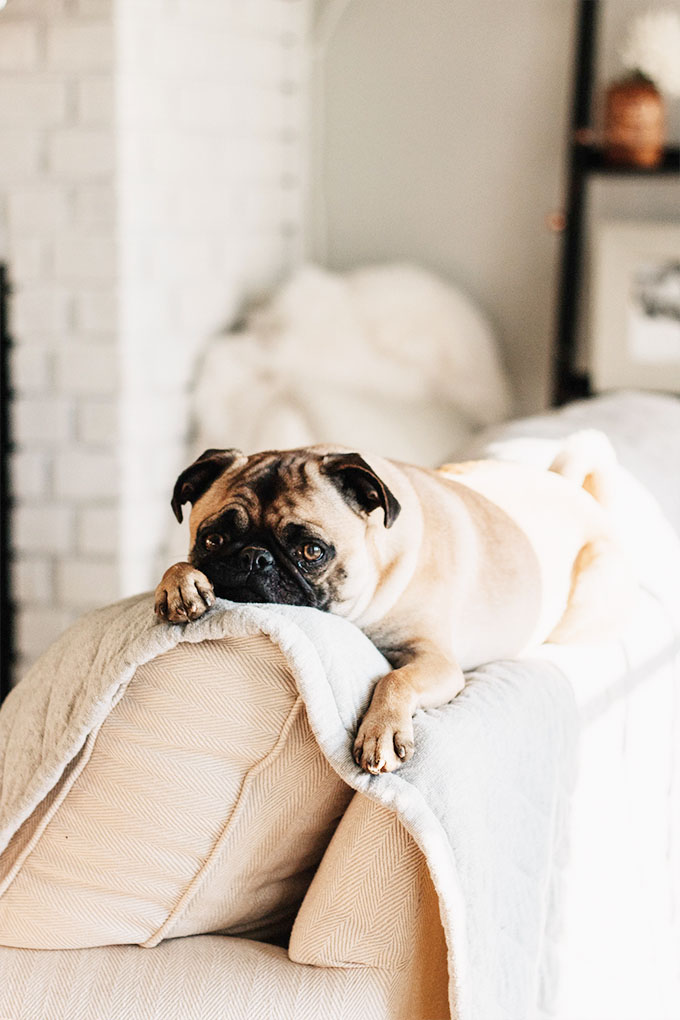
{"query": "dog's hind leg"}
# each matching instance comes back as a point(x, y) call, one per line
point(587, 458)
point(601, 597)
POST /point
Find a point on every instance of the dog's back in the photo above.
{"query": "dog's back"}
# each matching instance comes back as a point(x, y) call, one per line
point(563, 512)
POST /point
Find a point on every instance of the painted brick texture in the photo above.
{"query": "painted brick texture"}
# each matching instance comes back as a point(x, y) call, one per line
point(151, 183)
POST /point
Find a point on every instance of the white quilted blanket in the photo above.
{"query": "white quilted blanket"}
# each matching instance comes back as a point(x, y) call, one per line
point(485, 796)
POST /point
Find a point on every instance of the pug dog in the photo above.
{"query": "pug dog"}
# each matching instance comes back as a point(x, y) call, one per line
point(443, 570)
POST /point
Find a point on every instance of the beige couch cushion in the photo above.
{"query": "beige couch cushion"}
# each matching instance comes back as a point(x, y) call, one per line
point(373, 904)
point(201, 804)
point(207, 977)
point(369, 926)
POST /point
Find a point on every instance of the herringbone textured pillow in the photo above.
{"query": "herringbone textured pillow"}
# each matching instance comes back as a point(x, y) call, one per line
point(202, 804)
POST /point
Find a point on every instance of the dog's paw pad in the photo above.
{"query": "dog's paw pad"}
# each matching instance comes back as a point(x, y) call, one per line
point(184, 594)
point(383, 745)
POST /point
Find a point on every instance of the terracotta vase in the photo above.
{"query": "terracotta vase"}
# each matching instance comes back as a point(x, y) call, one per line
point(635, 123)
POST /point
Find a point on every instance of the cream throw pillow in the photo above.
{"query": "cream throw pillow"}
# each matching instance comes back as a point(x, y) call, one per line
point(203, 804)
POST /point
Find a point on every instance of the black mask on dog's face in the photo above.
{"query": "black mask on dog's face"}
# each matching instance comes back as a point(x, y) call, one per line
point(254, 564)
point(264, 526)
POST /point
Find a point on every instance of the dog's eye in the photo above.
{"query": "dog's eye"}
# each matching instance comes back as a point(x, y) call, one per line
point(312, 552)
point(213, 540)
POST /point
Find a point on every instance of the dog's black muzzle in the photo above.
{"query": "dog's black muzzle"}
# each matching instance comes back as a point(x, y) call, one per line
point(255, 559)
point(252, 574)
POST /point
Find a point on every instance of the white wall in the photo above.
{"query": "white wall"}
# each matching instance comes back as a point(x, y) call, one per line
point(442, 135)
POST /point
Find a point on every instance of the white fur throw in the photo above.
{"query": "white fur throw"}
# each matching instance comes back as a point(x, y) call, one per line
point(385, 357)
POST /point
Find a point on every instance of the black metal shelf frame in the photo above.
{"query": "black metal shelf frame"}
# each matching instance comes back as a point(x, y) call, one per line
point(586, 158)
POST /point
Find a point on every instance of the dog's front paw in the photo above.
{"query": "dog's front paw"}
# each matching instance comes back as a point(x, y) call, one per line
point(184, 594)
point(383, 742)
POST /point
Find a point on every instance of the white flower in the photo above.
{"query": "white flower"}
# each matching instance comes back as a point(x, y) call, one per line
point(653, 48)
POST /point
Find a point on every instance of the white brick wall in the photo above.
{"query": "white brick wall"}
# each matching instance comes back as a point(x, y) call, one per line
point(19, 47)
point(97, 421)
point(45, 527)
point(22, 155)
point(30, 475)
point(37, 210)
point(83, 154)
point(33, 580)
point(96, 311)
point(95, 206)
point(98, 530)
point(32, 100)
point(215, 94)
point(82, 474)
point(43, 420)
point(81, 45)
point(78, 578)
point(31, 368)
point(38, 627)
point(96, 101)
point(39, 307)
point(152, 155)
point(88, 368)
point(84, 257)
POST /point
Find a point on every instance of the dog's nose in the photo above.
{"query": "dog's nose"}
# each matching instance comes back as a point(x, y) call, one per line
point(255, 558)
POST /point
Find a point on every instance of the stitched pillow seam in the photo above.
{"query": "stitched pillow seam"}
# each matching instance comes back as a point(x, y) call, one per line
point(67, 786)
point(195, 883)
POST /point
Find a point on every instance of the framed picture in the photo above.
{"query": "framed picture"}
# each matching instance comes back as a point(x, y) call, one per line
point(635, 334)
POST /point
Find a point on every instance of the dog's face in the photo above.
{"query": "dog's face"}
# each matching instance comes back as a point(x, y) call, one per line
point(296, 527)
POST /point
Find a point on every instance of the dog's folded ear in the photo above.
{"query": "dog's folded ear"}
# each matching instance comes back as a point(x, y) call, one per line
point(360, 485)
point(199, 476)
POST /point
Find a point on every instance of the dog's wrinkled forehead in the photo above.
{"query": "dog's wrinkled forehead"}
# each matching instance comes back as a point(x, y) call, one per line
point(265, 482)
point(277, 478)
point(311, 476)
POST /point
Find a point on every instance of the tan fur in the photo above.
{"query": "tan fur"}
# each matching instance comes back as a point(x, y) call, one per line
point(486, 560)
